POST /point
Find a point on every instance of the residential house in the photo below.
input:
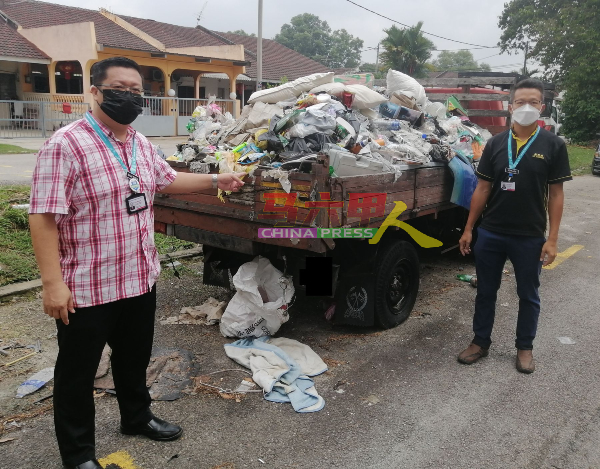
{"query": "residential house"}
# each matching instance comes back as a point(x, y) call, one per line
point(48, 51)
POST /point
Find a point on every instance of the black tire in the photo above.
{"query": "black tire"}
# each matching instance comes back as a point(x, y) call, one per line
point(396, 283)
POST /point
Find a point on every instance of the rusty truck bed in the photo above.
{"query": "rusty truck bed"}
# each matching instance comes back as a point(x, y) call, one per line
point(234, 225)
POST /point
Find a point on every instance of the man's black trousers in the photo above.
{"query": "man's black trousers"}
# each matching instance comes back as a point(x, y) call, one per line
point(128, 327)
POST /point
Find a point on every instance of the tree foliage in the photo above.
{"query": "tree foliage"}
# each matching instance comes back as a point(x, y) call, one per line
point(564, 36)
point(241, 32)
point(461, 60)
point(313, 37)
point(406, 50)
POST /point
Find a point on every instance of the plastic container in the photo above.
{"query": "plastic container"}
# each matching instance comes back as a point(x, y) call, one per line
point(386, 124)
point(465, 277)
point(345, 163)
point(393, 111)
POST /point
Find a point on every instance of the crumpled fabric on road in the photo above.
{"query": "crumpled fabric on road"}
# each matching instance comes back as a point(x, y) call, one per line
point(282, 368)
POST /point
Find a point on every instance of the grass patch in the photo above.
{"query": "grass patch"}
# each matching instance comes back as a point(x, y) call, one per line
point(14, 150)
point(580, 159)
point(167, 244)
point(17, 260)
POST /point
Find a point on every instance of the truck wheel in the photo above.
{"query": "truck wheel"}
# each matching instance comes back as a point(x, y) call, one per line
point(396, 284)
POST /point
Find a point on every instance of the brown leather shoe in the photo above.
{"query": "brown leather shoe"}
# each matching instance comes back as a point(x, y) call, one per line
point(472, 353)
point(525, 362)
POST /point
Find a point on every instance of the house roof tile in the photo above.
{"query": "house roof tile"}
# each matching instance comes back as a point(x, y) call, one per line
point(278, 60)
point(35, 14)
point(173, 36)
point(12, 44)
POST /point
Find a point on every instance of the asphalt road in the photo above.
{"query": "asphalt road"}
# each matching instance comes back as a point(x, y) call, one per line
point(17, 169)
point(395, 398)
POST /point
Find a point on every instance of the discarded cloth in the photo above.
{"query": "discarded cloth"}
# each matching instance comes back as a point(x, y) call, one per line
point(282, 368)
point(208, 313)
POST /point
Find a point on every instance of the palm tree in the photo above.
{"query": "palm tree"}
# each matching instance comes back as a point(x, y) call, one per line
point(407, 50)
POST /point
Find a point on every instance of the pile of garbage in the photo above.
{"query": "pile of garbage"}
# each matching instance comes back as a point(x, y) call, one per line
point(364, 130)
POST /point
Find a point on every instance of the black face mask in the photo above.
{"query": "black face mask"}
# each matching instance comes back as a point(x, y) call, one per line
point(122, 106)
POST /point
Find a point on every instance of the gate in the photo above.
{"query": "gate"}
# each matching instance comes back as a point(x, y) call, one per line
point(37, 118)
point(168, 117)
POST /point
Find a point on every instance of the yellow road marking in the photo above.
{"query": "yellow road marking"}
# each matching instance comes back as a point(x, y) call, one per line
point(120, 459)
point(5, 166)
point(27, 176)
point(563, 256)
point(27, 171)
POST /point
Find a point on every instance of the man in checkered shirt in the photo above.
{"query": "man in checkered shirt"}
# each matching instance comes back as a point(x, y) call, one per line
point(91, 219)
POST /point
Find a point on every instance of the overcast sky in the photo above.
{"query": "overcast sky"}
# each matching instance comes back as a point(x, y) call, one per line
point(471, 21)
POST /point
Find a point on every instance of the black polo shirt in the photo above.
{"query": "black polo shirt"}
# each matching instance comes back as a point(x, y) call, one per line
point(522, 211)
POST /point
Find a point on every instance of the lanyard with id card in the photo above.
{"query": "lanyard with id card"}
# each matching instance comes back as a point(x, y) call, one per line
point(136, 202)
point(512, 170)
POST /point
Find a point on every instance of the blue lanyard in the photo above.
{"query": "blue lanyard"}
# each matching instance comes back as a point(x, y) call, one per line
point(110, 146)
point(511, 164)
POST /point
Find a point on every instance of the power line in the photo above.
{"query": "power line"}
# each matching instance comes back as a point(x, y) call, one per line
point(456, 50)
point(489, 56)
point(477, 69)
point(424, 32)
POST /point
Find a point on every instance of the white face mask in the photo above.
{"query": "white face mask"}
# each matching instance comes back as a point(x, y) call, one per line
point(526, 115)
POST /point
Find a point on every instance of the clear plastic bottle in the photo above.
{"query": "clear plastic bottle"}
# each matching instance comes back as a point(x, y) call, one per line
point(387, 124)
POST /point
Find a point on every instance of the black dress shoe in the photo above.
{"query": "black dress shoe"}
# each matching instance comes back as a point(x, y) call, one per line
point(156, 429)
point(93, 464)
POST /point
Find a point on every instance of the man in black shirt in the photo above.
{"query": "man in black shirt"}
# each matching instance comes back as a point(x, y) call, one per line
point(521, 175)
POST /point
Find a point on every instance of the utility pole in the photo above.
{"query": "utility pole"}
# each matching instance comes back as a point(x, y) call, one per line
point(525, 61)
point(377, 60)
point(259, 48)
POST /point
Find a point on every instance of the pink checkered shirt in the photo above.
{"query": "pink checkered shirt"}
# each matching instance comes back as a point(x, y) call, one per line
point(106, 254)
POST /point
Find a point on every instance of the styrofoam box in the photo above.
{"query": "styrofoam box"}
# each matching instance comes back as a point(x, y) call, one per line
point(345, 163)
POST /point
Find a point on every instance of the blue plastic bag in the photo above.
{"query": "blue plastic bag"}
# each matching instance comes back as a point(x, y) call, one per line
point(465, 182)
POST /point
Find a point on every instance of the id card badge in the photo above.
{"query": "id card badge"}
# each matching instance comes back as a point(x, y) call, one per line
point(136, 203)
point(507, 186)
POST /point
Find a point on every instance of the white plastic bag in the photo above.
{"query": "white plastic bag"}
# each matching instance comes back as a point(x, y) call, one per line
point(365, 98)
point(334, 89)
point(313, 121)
point(292, 89)
point(260, 304)
point(398, 81)
point(435, 109)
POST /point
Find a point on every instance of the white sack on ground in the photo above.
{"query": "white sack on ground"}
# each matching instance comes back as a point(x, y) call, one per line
point(259, 306)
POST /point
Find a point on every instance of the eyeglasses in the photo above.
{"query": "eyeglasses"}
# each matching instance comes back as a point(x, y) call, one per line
point(120, 89)
point(520, 103)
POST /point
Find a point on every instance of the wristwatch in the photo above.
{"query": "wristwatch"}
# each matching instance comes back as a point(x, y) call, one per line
point(215, 181)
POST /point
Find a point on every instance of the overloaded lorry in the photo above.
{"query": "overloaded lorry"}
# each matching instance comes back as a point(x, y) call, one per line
point(321, 232)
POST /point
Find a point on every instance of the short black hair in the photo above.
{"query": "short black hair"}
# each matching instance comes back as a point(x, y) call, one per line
point(531, 83)
point(99, 69)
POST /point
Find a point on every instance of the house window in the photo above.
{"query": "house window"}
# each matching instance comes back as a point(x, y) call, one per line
point(203, 92)
point(221, 93)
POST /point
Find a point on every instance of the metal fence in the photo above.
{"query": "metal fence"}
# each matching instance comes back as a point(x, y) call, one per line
point(155, 106)
point(37, 118)
point(165, 117)
point(161, 117)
